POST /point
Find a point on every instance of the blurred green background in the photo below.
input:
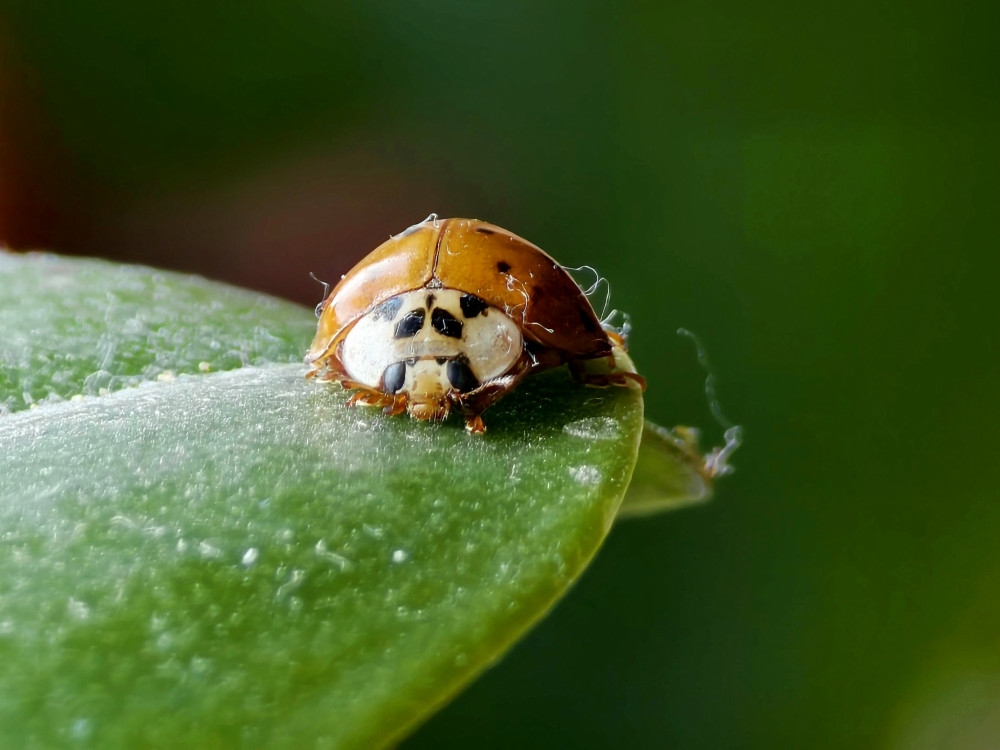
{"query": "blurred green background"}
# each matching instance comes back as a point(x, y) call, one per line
point(811, 189)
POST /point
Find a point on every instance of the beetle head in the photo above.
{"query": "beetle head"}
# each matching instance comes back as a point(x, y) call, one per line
point(426, 387)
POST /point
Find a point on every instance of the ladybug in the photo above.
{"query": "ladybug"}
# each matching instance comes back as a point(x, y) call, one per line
point(453, 314)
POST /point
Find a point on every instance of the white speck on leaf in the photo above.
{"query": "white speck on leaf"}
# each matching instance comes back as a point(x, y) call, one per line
point(250, 556)
point(585, 474)
point(78, 610)
point(337, 559)
point(208, 551)
point(593, 428)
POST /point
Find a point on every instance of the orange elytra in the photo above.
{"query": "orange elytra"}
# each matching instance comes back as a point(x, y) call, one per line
point(454, 313)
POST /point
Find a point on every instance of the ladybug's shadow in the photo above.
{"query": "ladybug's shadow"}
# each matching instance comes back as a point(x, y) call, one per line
point(545, 404)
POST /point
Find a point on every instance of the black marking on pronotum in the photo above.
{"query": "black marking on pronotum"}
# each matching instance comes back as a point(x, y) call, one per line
point(460, 375)
point(440, 360)
point(446, 324)
point(430, 301)
point(393, 377)
point(409, 324)
point(388, 309)
point(471, 305)
point(503, 266)
point(484, 230)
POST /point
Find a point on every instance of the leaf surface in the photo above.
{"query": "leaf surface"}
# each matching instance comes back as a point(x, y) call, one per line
point(218, 559)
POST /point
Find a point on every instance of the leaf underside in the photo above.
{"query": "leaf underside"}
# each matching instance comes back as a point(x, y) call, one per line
point(669, 473)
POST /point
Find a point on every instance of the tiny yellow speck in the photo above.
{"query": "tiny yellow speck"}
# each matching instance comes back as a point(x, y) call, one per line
point(204, 366)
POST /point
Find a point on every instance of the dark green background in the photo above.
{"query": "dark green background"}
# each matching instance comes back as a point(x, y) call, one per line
point(812, 189)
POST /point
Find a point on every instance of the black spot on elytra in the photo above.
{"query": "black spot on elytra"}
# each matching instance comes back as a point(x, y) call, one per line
point(460, 375)
point(446, 324)
point(409, 324)
point(388, 309)
point(484, 230)
point(471, 305)
point(393, 377)
point(503, 266)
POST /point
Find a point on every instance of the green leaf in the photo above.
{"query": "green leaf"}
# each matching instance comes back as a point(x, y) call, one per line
point(221, 559)
point(73, 327)
point(669, 474)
